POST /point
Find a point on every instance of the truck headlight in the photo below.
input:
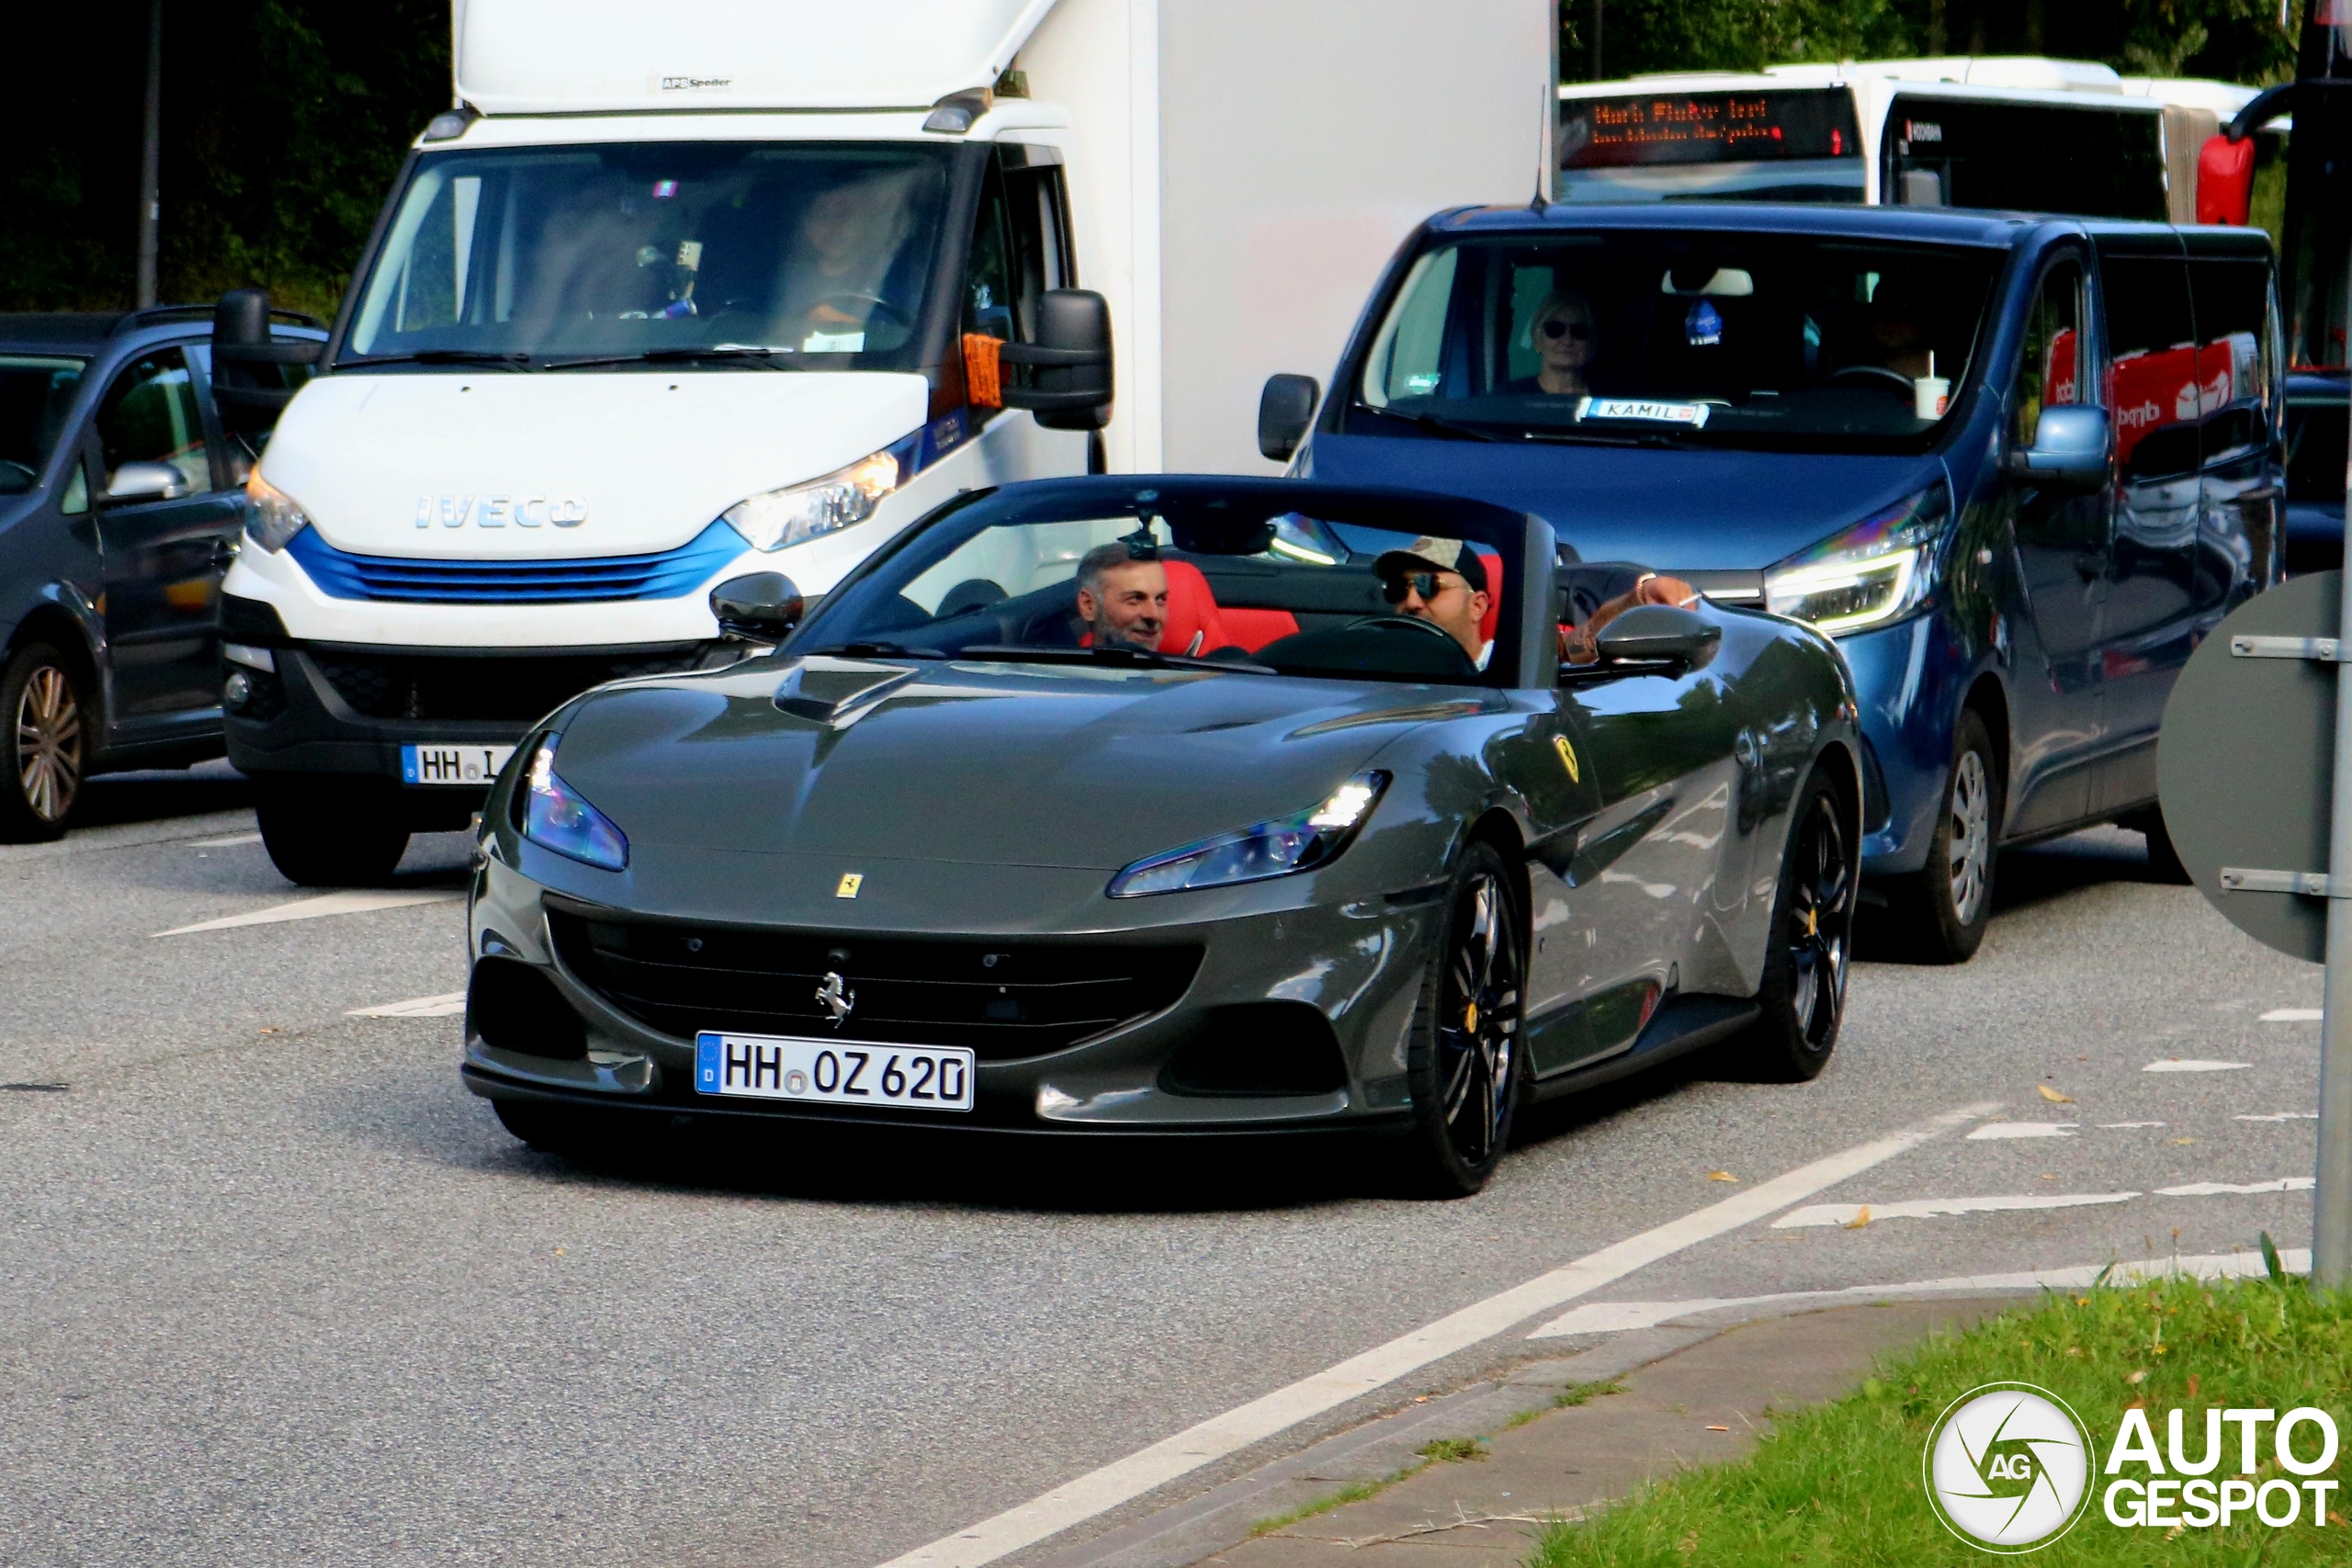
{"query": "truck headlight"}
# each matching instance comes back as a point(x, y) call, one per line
point(798, 513)
point(272, 516)
point(1881, 568)
point(1298, 842)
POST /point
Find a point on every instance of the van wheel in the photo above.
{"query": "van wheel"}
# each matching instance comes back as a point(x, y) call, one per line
point(49, 744)
point(1950, 900)
point(1464, 1060)
point(1802, 998)
point(321, 832)
point(2164, 857)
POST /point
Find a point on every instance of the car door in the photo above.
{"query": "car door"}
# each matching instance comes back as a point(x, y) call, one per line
point(161, 557)
point(1550, 763)
point(2061, 544)
point(2147, 628)
point(2242, 513)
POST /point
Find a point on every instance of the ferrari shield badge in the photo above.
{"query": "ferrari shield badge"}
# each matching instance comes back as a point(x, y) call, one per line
point(850, 883)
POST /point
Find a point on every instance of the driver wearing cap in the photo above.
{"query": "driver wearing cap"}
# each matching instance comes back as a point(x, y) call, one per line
point(1442, 581)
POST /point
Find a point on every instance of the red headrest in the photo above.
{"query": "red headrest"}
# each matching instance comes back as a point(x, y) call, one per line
point(1493, 562)
point(1192, 611)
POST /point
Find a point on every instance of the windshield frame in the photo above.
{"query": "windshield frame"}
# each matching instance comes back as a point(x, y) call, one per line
point(1525, 650)
point(925, 352)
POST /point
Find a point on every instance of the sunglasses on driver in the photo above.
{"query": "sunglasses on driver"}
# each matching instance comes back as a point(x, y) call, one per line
point(1428, 584)
point(1557, 328)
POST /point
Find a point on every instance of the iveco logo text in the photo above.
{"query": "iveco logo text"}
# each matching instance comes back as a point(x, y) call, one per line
point(498, 510)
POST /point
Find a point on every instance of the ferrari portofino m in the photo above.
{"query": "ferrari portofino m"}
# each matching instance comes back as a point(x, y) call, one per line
point(1174, 804)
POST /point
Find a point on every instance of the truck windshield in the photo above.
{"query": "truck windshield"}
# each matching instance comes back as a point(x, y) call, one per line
point(818, 253)
point(36, 391)
point(1764, 144)
point(1670, 337)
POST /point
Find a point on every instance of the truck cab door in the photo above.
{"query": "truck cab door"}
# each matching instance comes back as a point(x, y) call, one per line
point(1020, 248)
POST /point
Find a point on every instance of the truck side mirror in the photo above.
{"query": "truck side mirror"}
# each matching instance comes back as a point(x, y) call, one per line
point(2226, 180)
point(1070, 362)
point(2071, 450)
point(135, 482)
point(248, 385)
point(760, 606)
point(1656, 634)
point(1284, 410)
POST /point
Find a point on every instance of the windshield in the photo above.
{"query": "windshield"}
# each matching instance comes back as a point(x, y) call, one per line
point(821, 253)
point(1268, 579)
point(1759, 144)
point(35, 391)
point(1676, 337)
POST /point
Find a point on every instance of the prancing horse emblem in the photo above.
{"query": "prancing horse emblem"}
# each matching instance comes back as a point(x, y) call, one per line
point(837, 998)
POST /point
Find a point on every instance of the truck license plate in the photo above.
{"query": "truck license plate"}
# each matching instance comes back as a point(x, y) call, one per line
point(475, 765)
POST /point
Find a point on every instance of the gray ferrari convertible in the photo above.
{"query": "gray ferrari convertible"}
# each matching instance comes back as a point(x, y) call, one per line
point(1176, 805)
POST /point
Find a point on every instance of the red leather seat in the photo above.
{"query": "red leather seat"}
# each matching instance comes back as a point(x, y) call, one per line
point(1195, 623)
point(1253, 629)
point(1493, 562)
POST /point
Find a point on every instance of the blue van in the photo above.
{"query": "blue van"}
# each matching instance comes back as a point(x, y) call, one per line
point(2018, 466)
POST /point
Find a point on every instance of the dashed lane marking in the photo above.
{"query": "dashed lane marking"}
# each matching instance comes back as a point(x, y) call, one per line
point(1078, 1500)
point(2220, 1188)
point(232, 842)
point(2292, 1015)
point(354, 902)
point(1940, 1208)
point(2024, 1130)
point(2192, 1065)
point(2281, 1116)
point(417, 1007)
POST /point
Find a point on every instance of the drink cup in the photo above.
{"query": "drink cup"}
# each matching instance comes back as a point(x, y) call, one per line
point(1931, 396)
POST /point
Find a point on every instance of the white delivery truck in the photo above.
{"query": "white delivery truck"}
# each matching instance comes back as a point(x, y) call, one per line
point(747, 286)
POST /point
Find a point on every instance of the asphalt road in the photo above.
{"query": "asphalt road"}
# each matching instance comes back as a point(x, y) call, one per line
point(275, 1288)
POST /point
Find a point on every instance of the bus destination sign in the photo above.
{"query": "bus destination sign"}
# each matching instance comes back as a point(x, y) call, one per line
point(1708, 128)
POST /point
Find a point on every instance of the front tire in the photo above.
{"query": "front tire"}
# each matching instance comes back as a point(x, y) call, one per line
point(49, 744)
point(1464, 1064)
point(1950, 900)
point(555, 1129)
point(2164, 857)
point(1802, 996)
point(318, 840)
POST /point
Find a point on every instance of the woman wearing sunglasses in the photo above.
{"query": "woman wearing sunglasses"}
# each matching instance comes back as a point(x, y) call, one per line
point(1564, 335)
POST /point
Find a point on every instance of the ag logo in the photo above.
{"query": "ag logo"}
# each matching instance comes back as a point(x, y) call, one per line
point(2008, 1468)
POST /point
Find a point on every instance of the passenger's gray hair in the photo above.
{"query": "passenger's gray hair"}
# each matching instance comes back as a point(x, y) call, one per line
point(1102, 558)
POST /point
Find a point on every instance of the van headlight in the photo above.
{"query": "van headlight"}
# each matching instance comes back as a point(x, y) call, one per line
point(798, 513)
point(272, 516)
point(1881, 568)
point(1300, 841)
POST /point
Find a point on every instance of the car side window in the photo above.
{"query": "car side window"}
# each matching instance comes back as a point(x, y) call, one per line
point(2152, 369)
point(2048, 372)
point(150, 416)
point(2234, 343)
point(1039, 256)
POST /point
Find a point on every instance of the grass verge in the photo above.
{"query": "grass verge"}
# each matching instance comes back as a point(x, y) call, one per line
point(1839, 1486)
point(1444, 1451)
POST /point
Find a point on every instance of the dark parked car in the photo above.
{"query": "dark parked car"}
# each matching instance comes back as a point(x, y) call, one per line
point(2317, 425)
point(121, 495)
point(2017, 466)
point(950, 857)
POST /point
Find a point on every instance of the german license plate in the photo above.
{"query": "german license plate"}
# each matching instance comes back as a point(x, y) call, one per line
point(833, 1072)
point(474, 765)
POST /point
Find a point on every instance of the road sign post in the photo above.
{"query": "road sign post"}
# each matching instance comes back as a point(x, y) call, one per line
point(2332, 1193)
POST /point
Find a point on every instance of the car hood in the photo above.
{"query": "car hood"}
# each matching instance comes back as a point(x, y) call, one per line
point(400, 463)
point(976, 763)
point(1688, 509)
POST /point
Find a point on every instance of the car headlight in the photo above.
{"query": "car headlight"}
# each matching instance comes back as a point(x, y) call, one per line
point(1298, 842)
point(798, 513)
point(554, 815)
point(273, 517)
point(1881, 568)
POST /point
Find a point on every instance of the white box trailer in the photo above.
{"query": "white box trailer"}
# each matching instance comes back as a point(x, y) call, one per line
point(548, 420)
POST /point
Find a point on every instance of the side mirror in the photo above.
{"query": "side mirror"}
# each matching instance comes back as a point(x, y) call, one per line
point(1070, 362)
point(2072, 447)
point(145, 481)
point(1284, 410)
point(1655, 633)
point(760, 606)
point(2226, 180)
point(250, 383)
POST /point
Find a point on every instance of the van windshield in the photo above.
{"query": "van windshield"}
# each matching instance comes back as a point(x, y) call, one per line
point(1674, 337)
point(818, 253)
point(36, 392)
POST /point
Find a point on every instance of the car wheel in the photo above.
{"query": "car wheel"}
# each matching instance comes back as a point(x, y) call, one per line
point(554, 1128)
point(318, 838)
point(2164, 856)
point(1464, 1064)
point(1950, 898)
point(50, 745)
point(1804, 993)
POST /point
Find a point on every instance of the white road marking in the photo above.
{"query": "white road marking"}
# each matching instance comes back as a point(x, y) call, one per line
point(2192, 1065)
point(1616, 1317)
point(230, 842)
point(2281, 1116)
point(2113, 1126)
point(2217, 1189)
point(1937, 1208)
point(1076, 1501)
point(2292, 1015)
point(354, 902)
point(2024, 1130)
point(419, 1006)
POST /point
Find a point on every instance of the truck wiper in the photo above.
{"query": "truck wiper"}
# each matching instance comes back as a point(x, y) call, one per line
point(1015, 653)
point(763, 354)
point(441, 356)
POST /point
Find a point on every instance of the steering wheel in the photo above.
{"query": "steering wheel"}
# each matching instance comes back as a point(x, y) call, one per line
point(1413, 623)
point(10, 470)
point(891, 315)
point(1872, 377)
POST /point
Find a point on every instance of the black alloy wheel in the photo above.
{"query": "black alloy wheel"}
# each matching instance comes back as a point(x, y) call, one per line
point(1465, 1066)
point(49, 745)
point(1803, 994)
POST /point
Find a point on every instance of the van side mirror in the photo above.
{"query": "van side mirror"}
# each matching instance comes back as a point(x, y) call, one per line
point(2072, 447)
point(759, 606)
point(1658, 634)
point(145, 481)
point(2226, 180)
point(1284, 410)
point(1070, 362)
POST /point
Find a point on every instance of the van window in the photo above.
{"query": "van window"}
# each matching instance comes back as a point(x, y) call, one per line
point(35, 394)
point(150, 416)
point(2151, 372)
point(987, 271)
point(2048, 372)
point(2317, 432)
point(2234, 363)
point(2023, 157)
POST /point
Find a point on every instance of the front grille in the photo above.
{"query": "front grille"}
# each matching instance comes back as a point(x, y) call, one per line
point(666, 575)
point(514, 689)
point(1004, 998)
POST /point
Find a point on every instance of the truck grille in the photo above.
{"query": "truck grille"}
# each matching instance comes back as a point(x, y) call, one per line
point(514, 689)
point(1004, 998)
point(666, 575)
